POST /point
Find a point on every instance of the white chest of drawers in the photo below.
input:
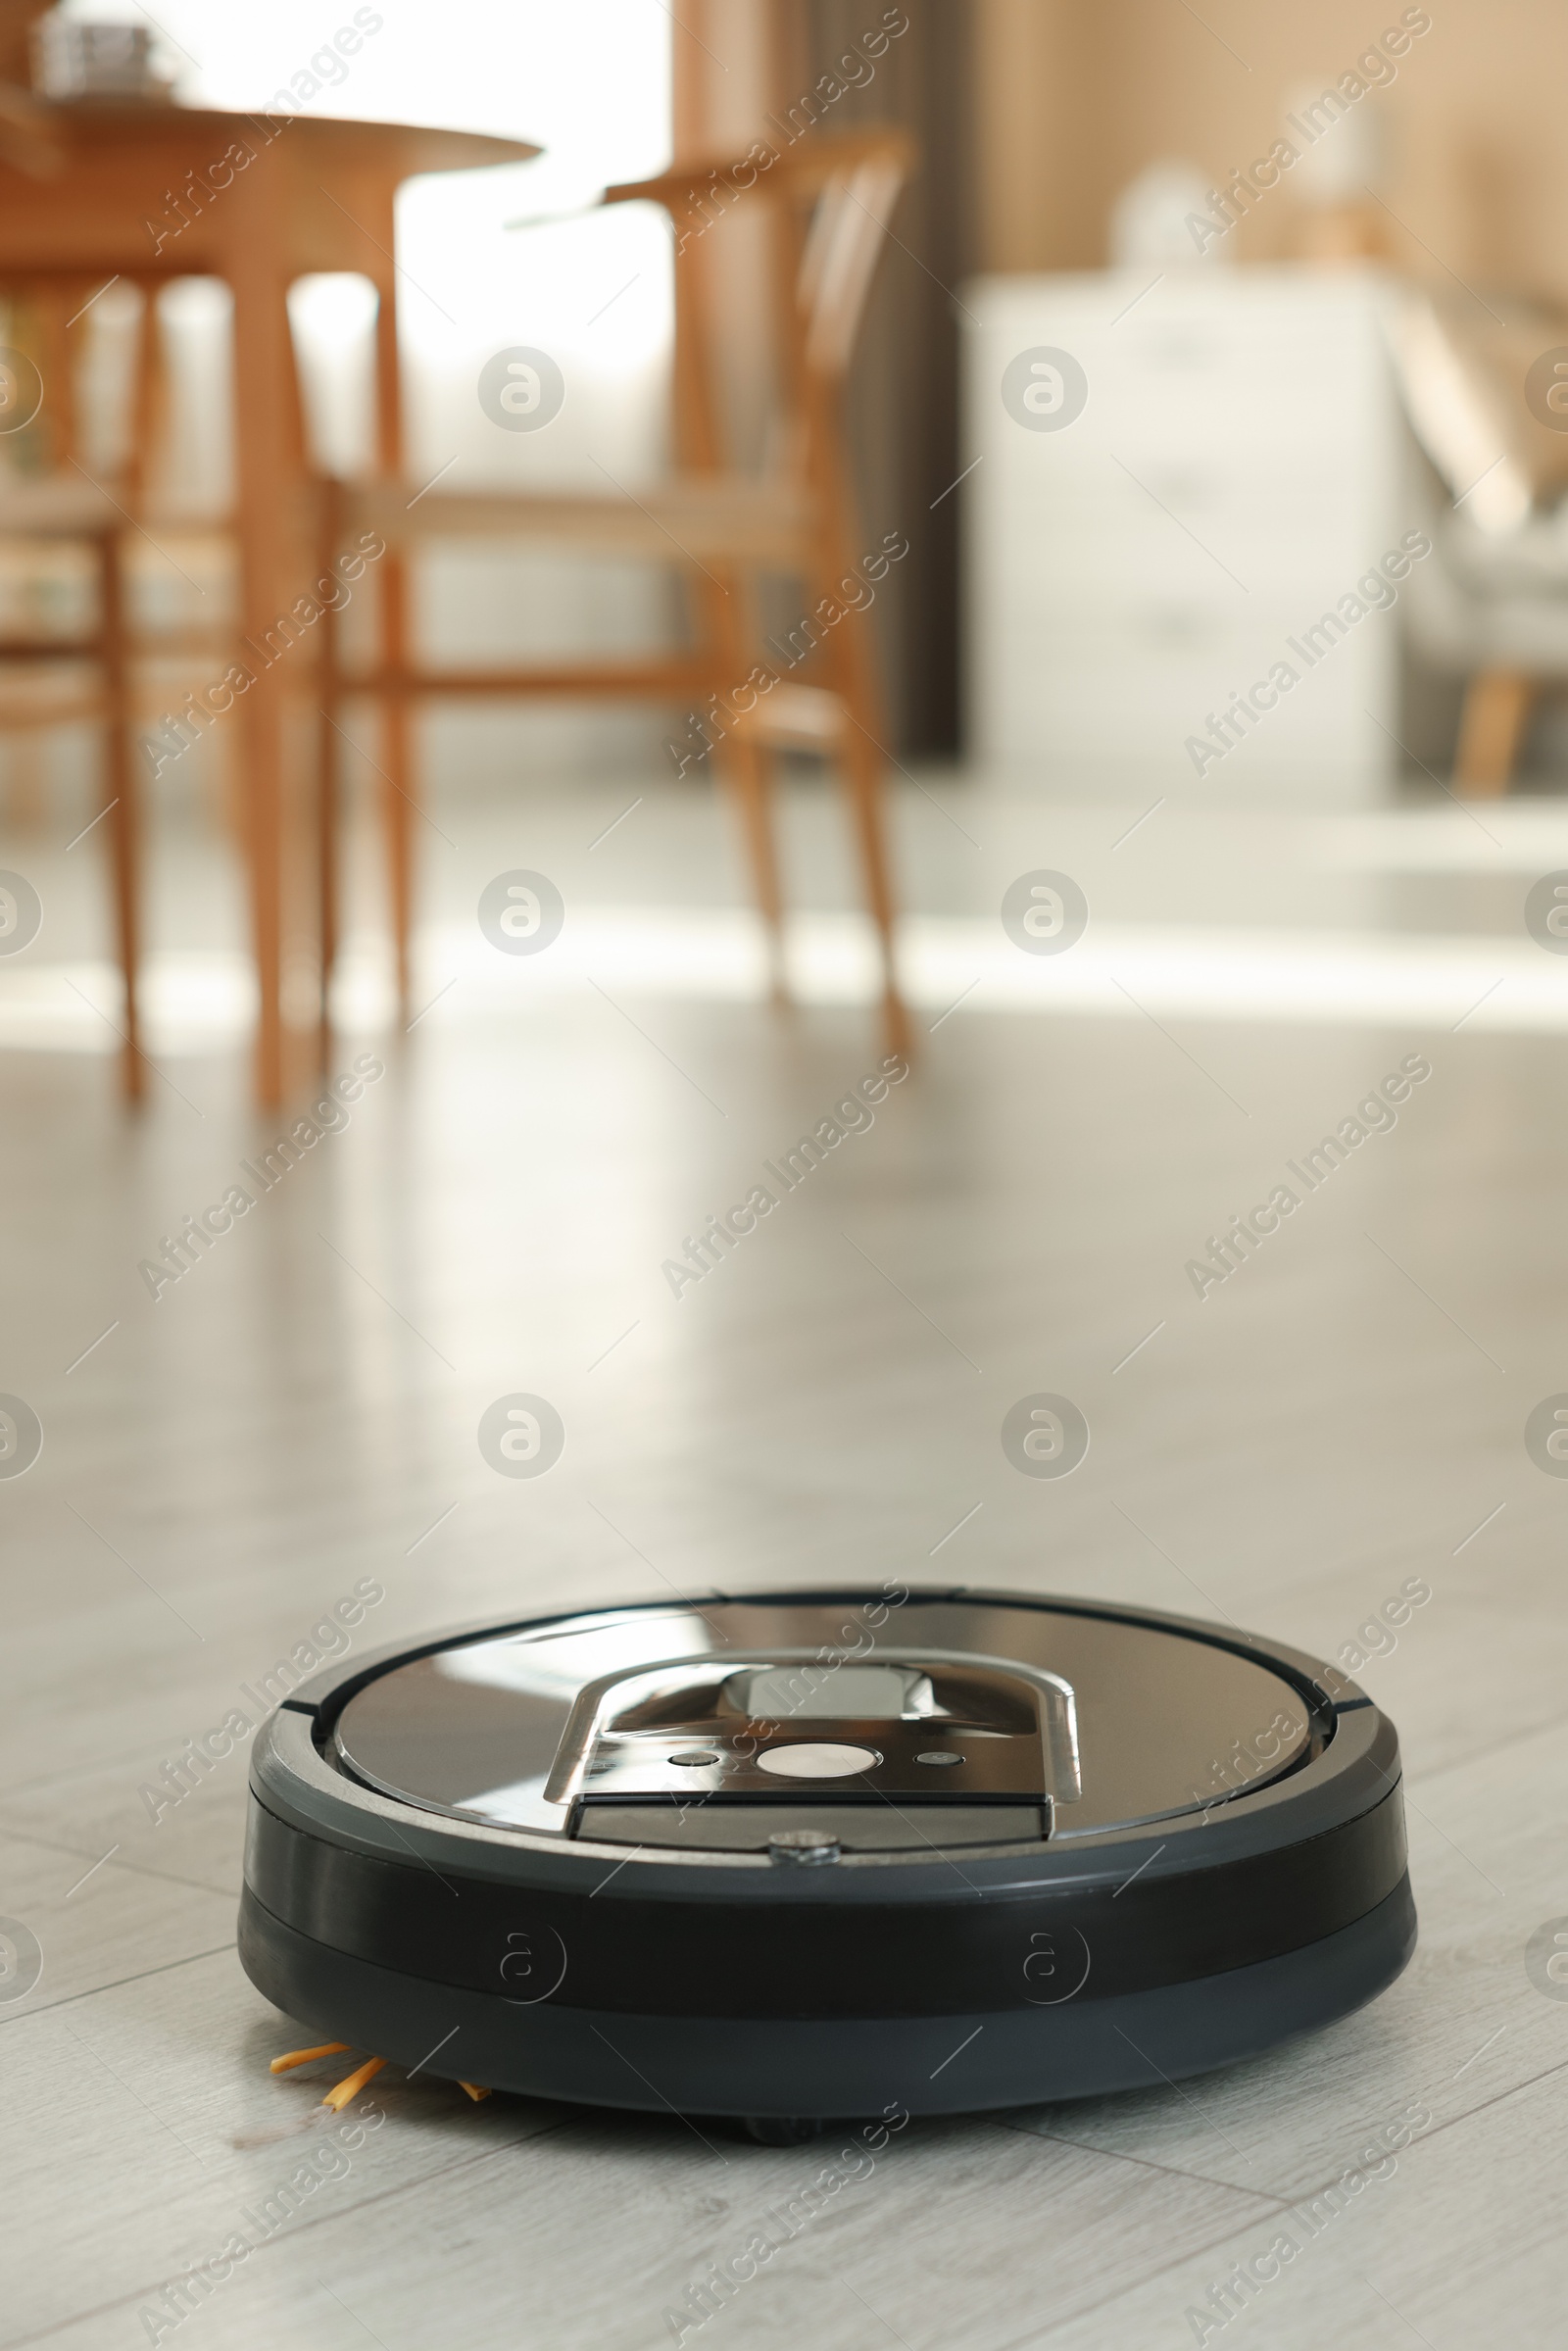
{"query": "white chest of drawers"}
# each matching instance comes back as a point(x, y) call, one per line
point(1234, 470)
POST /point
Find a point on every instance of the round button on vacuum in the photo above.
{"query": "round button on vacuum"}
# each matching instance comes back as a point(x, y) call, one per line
point(695, 1756)
point(807, 1762)
point(803, 1846)
point(939, 1755)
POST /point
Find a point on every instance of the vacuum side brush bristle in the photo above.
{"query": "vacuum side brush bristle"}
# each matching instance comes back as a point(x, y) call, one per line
point(353, 2083)
point(287, 2065)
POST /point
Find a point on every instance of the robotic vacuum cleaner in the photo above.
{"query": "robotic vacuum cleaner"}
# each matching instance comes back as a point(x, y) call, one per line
point(822, 1853)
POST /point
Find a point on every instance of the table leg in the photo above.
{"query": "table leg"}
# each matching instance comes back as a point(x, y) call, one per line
point(399, 797)
point(122, 796)
point(329, 761)
point(282, 834)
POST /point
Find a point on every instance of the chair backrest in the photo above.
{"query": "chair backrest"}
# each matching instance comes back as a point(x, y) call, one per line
point(847, 190)
point(829, 199)
point(30, 138)
point(53, 320)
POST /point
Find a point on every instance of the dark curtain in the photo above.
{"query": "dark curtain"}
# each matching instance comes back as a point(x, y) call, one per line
point(904, 395)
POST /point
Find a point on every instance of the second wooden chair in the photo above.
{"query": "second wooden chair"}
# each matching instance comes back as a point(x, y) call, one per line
point(827, 202)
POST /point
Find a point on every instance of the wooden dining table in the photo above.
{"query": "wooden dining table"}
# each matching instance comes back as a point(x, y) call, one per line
point(152, 191)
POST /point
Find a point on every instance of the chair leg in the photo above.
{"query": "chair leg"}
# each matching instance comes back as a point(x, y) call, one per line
point(121, 783)
point(397, 798)
point(397, 826)
point(327, 763)
point(862, 762)
point(722, 610)
point(327, 797)
point(1492, 726)
point(25, 799)
point(747, 766)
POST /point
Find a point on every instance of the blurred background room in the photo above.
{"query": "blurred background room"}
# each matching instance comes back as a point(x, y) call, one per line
point(594, 577)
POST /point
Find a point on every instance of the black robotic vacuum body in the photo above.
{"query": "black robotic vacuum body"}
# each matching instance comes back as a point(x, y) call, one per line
point(826, 1852)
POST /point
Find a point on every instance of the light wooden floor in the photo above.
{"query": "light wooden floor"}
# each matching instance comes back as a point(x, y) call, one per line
point(300, 1413)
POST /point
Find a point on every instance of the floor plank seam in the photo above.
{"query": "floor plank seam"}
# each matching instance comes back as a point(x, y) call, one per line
point(142, 1869)
point(1022, 2342)
point(22, 2342)
point(128, 1760)
point(1498, 2097)
point(140, 1976)
point(1172, 2171)
point(1304, 2196)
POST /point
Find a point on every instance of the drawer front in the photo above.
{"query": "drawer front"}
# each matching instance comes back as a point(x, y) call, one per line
point(1097, 694)
point(1228, 556)
point(1237, 380)
point(1230, 477)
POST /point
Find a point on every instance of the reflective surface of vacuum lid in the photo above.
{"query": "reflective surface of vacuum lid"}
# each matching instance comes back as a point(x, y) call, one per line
point(952, 1700)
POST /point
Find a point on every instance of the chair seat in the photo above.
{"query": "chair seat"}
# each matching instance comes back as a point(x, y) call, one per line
point(706, 517)
point(63, 694)
point(795, 718)
point(56, 505)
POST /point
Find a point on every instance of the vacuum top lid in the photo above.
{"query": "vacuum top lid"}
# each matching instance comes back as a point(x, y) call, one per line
point(1097, 1719)
point(825, 1851)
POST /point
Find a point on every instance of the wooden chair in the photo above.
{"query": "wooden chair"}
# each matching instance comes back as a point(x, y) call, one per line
point(827, 201)
point(52, 680)
point(53, 493)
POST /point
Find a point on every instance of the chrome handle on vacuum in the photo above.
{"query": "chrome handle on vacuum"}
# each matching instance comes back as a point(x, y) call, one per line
point(1059, 1712)
point(564, 1783)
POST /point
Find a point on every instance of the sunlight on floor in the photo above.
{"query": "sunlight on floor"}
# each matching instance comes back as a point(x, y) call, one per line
point(949, 964)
